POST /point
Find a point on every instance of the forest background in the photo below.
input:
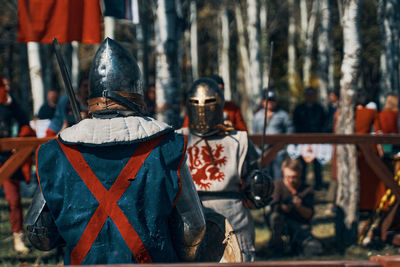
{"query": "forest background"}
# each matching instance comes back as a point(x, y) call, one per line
point(231, 38)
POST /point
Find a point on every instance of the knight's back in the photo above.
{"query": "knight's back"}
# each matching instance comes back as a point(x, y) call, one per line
point(104, 190)
point(111, 183)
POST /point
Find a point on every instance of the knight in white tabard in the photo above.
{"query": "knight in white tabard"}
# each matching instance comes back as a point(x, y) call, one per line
point(223, 164)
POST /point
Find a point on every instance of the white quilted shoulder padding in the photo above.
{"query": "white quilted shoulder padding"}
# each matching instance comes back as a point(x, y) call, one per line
point(118, 130)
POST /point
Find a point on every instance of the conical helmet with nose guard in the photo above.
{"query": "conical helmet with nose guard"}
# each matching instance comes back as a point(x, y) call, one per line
point(115, 82)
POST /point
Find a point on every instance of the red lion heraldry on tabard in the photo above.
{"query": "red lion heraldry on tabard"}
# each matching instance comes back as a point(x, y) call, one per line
point(205, 168)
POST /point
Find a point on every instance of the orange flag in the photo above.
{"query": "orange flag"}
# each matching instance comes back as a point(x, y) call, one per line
point(67, 20)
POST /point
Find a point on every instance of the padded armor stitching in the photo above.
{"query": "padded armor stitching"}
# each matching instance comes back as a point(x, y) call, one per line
point(140, 125)
point(138, 128)
point(127, 128)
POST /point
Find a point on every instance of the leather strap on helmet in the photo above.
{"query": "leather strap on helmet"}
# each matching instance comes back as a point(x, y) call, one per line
point(117, 101)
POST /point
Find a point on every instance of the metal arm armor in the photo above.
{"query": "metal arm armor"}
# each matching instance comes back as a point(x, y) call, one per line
point(41, 228)
point(188, 226)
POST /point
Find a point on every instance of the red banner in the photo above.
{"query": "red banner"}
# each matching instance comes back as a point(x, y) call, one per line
point(67, 20)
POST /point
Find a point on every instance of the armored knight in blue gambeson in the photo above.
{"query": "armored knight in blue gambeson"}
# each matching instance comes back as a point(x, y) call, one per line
point(116, 188)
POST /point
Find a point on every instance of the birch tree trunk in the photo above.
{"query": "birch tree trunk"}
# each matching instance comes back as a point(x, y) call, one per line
point(193, 40)
point(348, 182)
point(187, 79)
point(75, 65)
point(142, 35)
point(308, 45)
point(264, 42)
point(340, 10)
point(303, 21)
point(109, 27)
point(167, 67)
point(140, 50)
point(180, 51)
point(385, 62)
point(253, 31)
point(224, 53)
point(291, 48)
point(331, 68)
point(389, 19)
point(324, 50)
point(244, 56)
point(35, 74)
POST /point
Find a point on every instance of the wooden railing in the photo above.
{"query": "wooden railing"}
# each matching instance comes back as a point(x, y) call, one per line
point(363, 142)
point(22, 148)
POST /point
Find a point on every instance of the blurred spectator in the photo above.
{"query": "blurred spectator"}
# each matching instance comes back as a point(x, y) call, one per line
point(46, 113)
point(388, 119)
point(10, 112)
point(388, 116)
point(291, 213)
point(366, 118)
point(309, 117)
point(371, 187)
point(371, 105)
point(47, 110)
point(332, 107)
point(63, 116)
point(151, 101)
point(232, 115)
point(278, 122)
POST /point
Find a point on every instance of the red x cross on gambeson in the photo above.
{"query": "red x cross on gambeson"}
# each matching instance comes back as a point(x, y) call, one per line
point(108, 200)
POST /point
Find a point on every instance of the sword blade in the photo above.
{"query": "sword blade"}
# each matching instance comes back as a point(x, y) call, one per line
point(67, 81)
point(266, 104)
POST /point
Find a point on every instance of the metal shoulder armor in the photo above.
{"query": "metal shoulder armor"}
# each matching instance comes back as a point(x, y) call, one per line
point(189, 225)
point(41, 228)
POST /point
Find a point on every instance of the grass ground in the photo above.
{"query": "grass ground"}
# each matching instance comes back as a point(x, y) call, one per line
point(322, 228)
point(7, 254)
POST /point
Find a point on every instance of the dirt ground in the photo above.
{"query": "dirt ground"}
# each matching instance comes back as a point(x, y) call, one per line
point(322, 228)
